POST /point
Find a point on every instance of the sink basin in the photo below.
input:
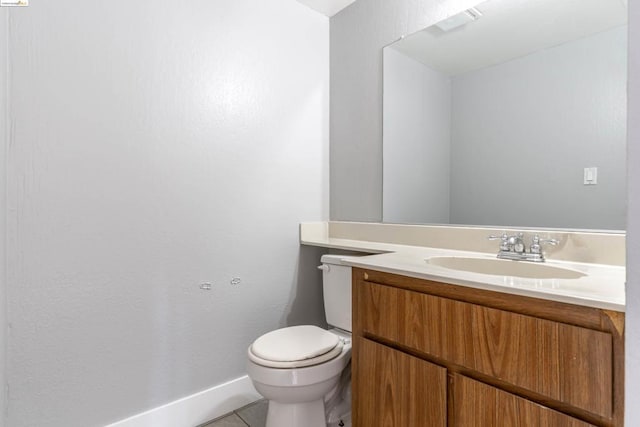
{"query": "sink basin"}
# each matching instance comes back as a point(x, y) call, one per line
point(498, 267)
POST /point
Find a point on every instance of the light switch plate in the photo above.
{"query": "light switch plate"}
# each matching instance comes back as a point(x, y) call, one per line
point(590, 176)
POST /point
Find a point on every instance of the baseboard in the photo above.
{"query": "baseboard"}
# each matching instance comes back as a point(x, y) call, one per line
point(198, 408)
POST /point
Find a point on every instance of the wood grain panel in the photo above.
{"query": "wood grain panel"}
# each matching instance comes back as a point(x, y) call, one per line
point(614, 321)
point(397, 390)
point(479, 405)
point(587, 317)
point(564, 362)
point(374, 307)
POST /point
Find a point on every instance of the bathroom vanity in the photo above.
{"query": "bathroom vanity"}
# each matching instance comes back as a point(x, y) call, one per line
point(433, 354)
point(438, 346)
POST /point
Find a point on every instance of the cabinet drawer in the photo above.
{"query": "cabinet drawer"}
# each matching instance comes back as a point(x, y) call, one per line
point(566, 363)
point(394, 389)
point(476, 404)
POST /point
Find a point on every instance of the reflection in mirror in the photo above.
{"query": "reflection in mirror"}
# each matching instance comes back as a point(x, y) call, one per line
point(510, 114)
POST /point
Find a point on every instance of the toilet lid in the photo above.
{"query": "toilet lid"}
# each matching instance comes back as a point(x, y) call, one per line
point(298, 363)
point(295, 343)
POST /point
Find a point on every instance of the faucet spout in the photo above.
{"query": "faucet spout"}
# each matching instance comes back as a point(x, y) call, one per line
point(513, 247)
point(516, 243)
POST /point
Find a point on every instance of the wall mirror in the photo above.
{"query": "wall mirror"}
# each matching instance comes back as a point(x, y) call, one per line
point(511, 114)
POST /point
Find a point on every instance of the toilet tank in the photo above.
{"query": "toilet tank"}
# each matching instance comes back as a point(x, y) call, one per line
point(336, 283)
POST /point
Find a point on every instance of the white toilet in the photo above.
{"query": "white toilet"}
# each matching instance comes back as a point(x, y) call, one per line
point(304, 371)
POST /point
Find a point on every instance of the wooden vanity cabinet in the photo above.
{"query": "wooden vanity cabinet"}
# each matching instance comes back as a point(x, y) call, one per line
point(434, 354)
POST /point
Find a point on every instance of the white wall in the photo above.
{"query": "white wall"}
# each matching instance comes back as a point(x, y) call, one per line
point(542, 119)
point(3, 174)
point(632, 341)
point(157, 145)
point(417, 136)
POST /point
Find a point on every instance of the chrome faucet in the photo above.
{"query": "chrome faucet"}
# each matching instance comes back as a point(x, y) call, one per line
point(514, 248)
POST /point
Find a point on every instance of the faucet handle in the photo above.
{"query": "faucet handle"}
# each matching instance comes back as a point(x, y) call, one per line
point(537, 242)
point(494, 237)
point(504, 240)
point(552, 242)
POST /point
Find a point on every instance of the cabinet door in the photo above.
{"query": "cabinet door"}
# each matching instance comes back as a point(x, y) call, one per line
point(393, 389)
point(564, 362)
point(476, 404)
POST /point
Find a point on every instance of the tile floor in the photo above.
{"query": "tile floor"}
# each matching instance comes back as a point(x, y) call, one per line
point(253, 415)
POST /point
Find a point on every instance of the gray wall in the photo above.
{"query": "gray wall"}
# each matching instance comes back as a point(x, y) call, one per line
point(417, 137)
point(632, 342)
point(157, 145)
point(4, 131)
point(534, 124)
point(358, 35)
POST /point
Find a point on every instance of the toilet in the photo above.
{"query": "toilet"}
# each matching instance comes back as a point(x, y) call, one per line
point(304, 371)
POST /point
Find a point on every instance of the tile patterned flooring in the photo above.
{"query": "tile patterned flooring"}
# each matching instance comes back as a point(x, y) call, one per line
point(253, 415)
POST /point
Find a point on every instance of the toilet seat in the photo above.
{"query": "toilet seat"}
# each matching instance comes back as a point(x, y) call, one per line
point(297, 363)
point(295, 347)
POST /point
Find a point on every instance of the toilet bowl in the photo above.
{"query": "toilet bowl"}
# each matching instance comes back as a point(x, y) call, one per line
point(297, 393)
point(304, 371)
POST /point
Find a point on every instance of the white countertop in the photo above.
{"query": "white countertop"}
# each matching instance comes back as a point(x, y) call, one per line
point(603, 286)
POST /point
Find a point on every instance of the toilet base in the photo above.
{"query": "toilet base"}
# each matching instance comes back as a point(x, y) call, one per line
point(308, 414)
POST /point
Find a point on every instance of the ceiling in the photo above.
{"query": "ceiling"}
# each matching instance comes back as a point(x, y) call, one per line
point(510, 29)
point(327, 7)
